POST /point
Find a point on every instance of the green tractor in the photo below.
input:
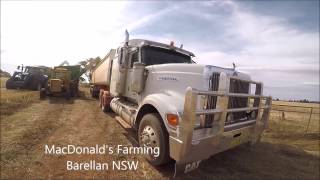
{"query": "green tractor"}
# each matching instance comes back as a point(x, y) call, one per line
point(64, 80)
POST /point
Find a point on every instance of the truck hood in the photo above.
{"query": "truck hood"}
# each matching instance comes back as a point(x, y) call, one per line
point(187, 68)
point(168, 82)
point(205, 70)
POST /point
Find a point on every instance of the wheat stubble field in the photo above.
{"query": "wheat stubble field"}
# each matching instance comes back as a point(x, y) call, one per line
point(27, 124)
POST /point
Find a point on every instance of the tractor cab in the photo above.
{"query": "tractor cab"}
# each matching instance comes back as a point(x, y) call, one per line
point(28, 77)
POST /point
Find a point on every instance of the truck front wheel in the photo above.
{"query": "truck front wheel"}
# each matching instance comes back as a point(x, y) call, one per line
point(152, 134)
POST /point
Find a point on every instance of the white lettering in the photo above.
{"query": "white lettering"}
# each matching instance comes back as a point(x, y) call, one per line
point(91, 165)
point(191, 166)
point(155, 151)
point(69, 165)
point(49, 151)
point(125, 165)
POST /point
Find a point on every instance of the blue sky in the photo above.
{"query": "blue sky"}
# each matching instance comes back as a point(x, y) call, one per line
point(276, 42)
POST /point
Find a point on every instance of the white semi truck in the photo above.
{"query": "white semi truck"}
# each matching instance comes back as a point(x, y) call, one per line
point(189, 111)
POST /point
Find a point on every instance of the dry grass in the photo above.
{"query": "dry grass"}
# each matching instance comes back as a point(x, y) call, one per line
point(57, 121)
point(13, 100)
point(3, 81)
point(296, 104)
point(293, 129)
point(286, 151)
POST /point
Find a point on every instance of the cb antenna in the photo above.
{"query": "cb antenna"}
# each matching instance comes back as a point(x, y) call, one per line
point(234, 69)
point(127, 38)
point(234, 66)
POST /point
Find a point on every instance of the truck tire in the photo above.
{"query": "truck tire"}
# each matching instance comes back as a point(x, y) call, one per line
point(94, 91)
point(9, 84)
point(67, 94)
point(106, 108)
point(153, 133)
point(105, 99)
point(95, 94)
point(42, 93)
point(39, 86)
point(72, 91)
point(32, 83)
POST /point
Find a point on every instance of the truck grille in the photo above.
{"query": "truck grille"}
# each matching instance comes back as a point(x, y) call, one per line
point(235, 86)
point(238, 86)
point(55, 85)
point(212, 100)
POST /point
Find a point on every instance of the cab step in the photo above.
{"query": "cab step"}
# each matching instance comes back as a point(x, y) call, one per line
point(122, 122)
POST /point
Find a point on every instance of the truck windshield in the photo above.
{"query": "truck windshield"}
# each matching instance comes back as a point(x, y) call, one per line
point(154, 55)
point(32, 70)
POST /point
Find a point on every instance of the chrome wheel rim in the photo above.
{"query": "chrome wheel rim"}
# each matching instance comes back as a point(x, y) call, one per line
point(149, 138)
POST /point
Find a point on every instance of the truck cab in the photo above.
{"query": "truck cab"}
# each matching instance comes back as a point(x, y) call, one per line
point(189, 111)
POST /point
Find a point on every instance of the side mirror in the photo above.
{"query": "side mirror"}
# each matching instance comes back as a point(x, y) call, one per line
point(122, 57)
point(18, 67)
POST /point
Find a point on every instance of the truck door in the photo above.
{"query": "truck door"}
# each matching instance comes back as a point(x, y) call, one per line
point(133, 56)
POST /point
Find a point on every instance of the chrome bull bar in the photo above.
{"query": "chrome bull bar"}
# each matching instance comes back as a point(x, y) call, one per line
point(186, 129)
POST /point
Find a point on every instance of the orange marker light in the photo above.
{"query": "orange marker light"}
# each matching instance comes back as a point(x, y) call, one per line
point(173, 119)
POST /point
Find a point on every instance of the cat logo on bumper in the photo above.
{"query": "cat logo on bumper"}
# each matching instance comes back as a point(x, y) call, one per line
point(185, 168)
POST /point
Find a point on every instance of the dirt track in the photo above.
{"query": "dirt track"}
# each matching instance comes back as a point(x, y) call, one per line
point(81, 122)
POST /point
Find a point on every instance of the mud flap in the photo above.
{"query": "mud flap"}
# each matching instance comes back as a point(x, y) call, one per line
point(183, 168)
